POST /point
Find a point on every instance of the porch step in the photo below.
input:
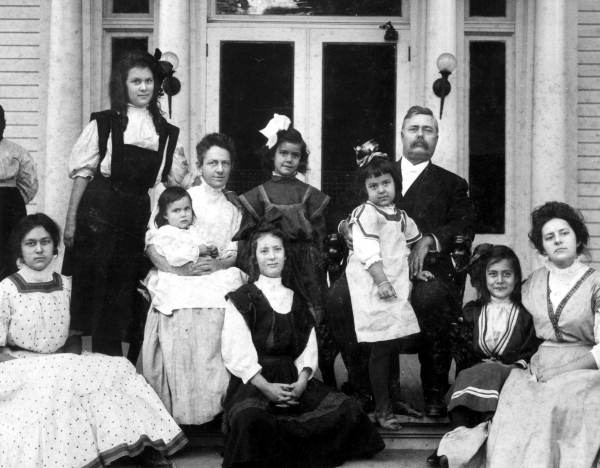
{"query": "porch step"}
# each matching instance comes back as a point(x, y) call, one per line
point(210, 457)
point(416, 434)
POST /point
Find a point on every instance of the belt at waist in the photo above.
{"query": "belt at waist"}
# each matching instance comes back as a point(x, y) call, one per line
point(274, 359)
point(8, 183)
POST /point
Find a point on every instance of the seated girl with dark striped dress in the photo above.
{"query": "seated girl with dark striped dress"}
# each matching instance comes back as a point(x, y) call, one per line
point(495, 335)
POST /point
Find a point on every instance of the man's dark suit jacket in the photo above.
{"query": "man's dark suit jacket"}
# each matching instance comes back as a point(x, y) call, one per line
point(438, 202)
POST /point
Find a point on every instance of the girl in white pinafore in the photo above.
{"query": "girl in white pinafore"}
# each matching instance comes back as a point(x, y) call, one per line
point(377, 272)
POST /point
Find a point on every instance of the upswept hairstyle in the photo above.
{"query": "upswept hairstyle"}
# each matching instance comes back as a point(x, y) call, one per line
point(375, 168)
point(118, 86)
point(291, 135)
point(419, 110)
point(261, 231)
point(550, 210)
point(170, 195)
point(26, 225)
point(215, 139)
point(491, 256)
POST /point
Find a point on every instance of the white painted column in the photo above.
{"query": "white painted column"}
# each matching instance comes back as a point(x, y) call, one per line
point(553, 163)
point(174, 36)
point(63, 114)
point(440, 37)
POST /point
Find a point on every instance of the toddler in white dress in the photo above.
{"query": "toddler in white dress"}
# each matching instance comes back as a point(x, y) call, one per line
point(180, 241)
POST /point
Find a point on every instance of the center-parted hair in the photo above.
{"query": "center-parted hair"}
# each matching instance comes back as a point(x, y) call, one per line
point(119, 97)
point(262, 231)
point(291, 135)
point(493, 255)
point(170, 195)
point(26, 225)
point(375, 168)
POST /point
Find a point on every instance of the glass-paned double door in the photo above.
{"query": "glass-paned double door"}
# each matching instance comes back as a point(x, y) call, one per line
point(340, 87)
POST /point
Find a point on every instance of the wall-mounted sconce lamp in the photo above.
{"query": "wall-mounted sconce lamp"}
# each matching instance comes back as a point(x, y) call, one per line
point(446, 64)
point(168, 63)
point(390, 34)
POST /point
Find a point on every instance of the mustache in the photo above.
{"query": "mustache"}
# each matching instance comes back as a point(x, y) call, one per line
point(420, 141)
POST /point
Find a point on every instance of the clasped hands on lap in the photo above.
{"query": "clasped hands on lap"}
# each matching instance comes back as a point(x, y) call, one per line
point(280, 394)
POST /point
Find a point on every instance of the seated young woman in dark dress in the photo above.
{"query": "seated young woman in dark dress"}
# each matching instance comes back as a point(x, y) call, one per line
point(276, 414)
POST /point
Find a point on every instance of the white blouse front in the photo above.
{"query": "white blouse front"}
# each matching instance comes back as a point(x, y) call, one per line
point(216, 218)
point(140, 132)
point(237, 348)
point(34, 320)
point(497, 317)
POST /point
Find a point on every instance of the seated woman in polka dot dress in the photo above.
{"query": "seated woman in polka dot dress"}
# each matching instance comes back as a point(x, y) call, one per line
point(65, 410)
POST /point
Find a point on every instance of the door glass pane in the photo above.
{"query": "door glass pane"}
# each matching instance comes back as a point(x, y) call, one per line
point(359, 103)
point(487, 146)
point(310, 7)
point(257, 80)
point(131, 6)
point(121, 45)
point(487, 8)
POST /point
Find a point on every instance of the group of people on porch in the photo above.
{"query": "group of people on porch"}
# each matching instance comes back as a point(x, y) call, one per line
point(244, 317)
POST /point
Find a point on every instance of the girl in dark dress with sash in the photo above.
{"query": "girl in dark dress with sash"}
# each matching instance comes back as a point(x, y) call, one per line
point(276, 414)
point(298, 209)
point(120, 154)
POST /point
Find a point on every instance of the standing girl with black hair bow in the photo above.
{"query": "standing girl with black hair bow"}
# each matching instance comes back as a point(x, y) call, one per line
point(121, 154)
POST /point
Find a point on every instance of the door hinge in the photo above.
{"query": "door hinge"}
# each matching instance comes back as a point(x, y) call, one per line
point(409, 53)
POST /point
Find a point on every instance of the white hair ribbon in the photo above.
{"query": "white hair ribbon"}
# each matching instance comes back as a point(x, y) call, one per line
point(277, 123)
point(367, 151)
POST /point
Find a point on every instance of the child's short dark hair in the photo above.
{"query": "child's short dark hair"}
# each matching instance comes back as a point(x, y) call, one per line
point(170, 195)
point(376, 167)
point(491, 256)
point(291, 135)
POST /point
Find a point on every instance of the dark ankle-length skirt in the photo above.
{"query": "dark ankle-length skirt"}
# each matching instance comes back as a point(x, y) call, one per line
point(326, 428)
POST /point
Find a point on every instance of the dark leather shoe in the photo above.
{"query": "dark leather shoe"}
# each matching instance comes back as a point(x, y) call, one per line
point(434, 459)
point(444, 461)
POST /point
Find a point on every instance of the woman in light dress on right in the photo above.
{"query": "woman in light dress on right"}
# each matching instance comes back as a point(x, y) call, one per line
point(549, 415)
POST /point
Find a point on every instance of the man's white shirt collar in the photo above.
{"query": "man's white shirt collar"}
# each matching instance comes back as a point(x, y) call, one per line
point(410, 172)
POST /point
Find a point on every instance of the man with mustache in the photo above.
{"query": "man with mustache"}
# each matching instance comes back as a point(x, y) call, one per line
point(438, 201)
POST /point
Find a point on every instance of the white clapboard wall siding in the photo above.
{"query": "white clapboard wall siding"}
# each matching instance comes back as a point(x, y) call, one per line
point(20, 71)
point(588, 113)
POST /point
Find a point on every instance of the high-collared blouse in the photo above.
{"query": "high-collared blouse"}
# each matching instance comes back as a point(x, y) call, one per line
point(140, 132)
point(237, 348)
point(34, 311)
